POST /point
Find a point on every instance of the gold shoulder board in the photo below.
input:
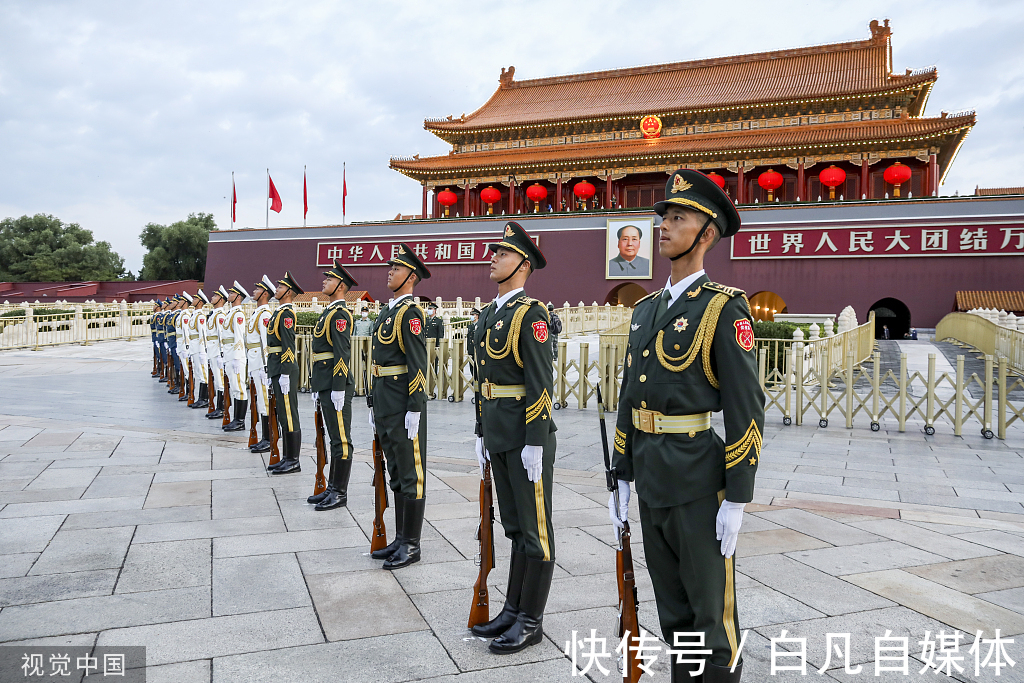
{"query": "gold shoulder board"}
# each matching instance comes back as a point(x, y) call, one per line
point(731, 291)
point(652, 295)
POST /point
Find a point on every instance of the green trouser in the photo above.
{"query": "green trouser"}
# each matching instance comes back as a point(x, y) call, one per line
point(695, 587)
point(525, 506)
point(287, 404)
point(406, 458)
point(338, 424)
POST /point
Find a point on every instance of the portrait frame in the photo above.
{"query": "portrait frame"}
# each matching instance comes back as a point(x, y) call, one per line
point(616, 265)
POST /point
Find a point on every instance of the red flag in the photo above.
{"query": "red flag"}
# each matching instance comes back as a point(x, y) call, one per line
point(234, 200)
point(275, 198)
point(344, 191)
point(305, 201)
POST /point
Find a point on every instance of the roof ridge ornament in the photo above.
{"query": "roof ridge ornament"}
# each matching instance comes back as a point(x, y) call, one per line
point(507, 78)
point(879, 31)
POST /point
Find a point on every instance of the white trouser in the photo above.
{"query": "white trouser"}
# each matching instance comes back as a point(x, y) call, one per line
point(183, 356)
point(259, 378)
point(236, 379)
point(199, 367)
point(217, 366)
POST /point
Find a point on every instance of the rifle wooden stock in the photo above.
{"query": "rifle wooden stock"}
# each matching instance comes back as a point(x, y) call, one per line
point(253, 413)
point(320, 483)
point(181, 382)
point(191, 383)
point(380, 498)
point(211, 392)
point(479, 613)
point(627, 622)
point(275, 454)
point(227, 403)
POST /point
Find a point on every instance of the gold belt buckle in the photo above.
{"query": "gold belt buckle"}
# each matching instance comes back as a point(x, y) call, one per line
point(646, 420)
point(375, 370)
point(485, 390)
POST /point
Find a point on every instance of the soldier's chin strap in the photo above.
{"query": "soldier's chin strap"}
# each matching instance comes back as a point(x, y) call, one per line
point(411, 272)
point(695, 240)
point(514, 271)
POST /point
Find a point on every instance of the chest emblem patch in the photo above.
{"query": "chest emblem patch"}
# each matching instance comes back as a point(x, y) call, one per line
point(265, 321)
point(500, 324)
point(415, 326)
point(744, 334)
point(540, 331)
point(341, 324)
point(288, 323)
point(388, 321)
point(634, 326)
point(629, 360)
point(241, 320)
point(680, 324)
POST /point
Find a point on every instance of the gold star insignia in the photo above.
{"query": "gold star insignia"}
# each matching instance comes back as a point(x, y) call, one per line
point(681, 324)
point(694, 293)
point(753, 461)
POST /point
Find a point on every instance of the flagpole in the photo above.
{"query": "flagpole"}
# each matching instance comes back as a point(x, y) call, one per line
point(267, 200)
point(231, 201)
point(344, 189)
point(303, 195)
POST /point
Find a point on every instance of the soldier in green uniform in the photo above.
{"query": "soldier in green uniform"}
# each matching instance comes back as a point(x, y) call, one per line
point(691, 353)
point(435, 331)
point(332, 384)
point(399, 414)
point(283, 370)
point(516, 432)
point(470, 333)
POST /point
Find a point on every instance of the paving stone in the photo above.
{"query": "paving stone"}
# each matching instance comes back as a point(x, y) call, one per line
point(300, 515)
point(17, 564)
point(82, 615)
point(976, 575)
point(288, 542)
point(189, 640)
point(174, 494)
point(550, 670)
point(1000, 540)
point(64, 478)
point(775, 541)
point(233, 503)
point(183, 672)
point(350, 605)
point(814, 588)
point(96, 520)
point(21, 470)
point(761, 606)
point(84, 549)
point(924, 539)
point(819, 527)
point(1012, 599)
point(338, 560)
point(185, 452)
point(868, 557)
point(171, 564)
point(67, 507)
point(28, 534)
point(106, 486)
point(49, 438)
point(214, 528)
point(257, 584)
point(30, 589)
point(964, 612)
point(370, 660)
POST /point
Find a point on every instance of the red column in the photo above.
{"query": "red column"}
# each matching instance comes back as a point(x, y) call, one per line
point(801, 191)
point(741, 191)
point(933, 176)
point(608, 192)
point(558, 194)
point(511, 196)
point(423, 212)
point(465, 200)
point(865, 179)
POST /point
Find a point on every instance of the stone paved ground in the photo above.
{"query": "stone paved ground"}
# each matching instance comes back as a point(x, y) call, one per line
point(127, 519)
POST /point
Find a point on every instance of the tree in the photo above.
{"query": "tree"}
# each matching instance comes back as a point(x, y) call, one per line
point(42, 248)
point(177, 251)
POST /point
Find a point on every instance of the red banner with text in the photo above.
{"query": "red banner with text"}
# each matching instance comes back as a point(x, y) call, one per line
point(454, 251)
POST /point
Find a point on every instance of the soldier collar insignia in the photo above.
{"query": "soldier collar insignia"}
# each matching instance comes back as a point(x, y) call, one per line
point(680, 324)
point(679, 184)
point(694, 293)
point(500, 324)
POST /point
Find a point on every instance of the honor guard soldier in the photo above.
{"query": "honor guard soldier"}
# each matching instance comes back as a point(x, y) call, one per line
point(152, 335)
point(183, 340)
point(690, 353)
point(161, 335)
point(470, 333)
point(215, 325)
point(197, 350)
point(234, 358)
point(158, 338)
point(399, 415)
point(283, 369)
point(516, 432)
point(171, 332)
point(256, 352)
point(332, 383)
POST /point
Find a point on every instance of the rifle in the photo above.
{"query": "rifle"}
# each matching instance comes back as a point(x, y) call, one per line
point(275, 454)
point(479, 612)
point(254, 415)
point(191, 383)
point(320, 483)
point(380, 485)
point(181, 380)
point(211, 391)
point(627, 624)
point(227, 401)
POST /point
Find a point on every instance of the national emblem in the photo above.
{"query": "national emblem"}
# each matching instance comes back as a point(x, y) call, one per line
point(680, 185)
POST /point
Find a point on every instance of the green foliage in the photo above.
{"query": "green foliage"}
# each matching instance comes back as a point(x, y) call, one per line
point(765, 329)
point(306, 318)
point(177, 251)
point(19, 312)
point(42, 248)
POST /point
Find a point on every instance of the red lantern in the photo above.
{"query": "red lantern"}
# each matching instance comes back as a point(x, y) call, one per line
point(896, 175)
point(770, 180)
point(490, 195)
point(832, 177)
point(584, 191)
point(446, 198)
point(537, 193)
point(717, 179)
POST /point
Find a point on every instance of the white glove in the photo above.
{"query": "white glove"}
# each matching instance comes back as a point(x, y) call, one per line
point(338, 399)
point(372, 425)
point(533, 457)
point(265, 378)
point(622, 514)
point(286, 383)
point(412, 424)
point(315, 395)
point(482, 456)
point(727, 525)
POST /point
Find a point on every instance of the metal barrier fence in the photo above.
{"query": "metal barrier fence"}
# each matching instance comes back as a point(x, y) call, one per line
point(984, 335)
point(79, 327)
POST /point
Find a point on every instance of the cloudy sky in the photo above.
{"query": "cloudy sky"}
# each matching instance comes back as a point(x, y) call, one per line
point(116, 114)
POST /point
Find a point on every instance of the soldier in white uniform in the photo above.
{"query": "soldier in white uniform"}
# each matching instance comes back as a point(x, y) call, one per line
point(214, 324)
point(234, 359)
point(183, 340)
point(197, 350)
point(256, 350)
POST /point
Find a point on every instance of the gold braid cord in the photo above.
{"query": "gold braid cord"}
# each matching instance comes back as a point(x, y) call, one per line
point(620, 441)
point(321, 330)
point(396, 330)
point(512, 340)
point(735, 453)
point(703, 338)
point(418, 383)
point(540, 405)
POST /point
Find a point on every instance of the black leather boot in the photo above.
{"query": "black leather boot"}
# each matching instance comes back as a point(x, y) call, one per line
point(391, 548)
point(219, 413)
point(337, 489)
point(409, 550)
point(720, 674)
point(527, 629)
point(501, 623)
point(204, 397)
point(263, 446)
point(238, 409)
point(680, 672)
point(290, 459)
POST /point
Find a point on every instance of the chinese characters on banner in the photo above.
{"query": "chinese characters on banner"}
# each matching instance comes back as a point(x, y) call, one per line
point(861, 242)
point(458, 250)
